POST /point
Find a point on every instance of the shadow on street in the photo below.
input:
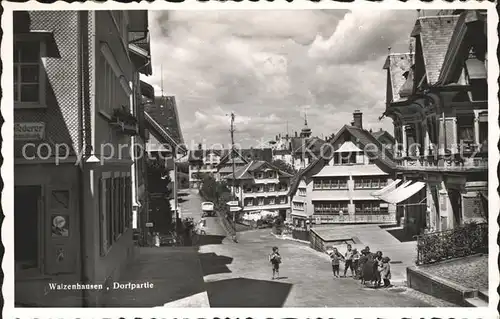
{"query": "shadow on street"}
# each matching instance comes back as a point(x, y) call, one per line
point(209, 240)
point(401, 235)
point(212, 263)
point(247, 293)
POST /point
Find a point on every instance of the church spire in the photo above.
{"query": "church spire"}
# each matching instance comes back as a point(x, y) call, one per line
point(306, 131)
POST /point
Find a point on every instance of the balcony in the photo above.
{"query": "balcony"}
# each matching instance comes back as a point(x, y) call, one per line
point(273, 180)
point(444, 163)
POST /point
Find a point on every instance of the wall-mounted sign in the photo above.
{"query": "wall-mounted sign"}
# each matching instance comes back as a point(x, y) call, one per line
point(25, 131)
point(60, 226)
point(149, 225)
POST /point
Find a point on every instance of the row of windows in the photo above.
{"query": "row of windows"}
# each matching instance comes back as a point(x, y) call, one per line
point(361, 208)
point(265, 201)
point(370, 182)
point(302, 191)
point(263, 175)
point(298, 206)
point(116, 209)
point(266, 188)
point(330, 183)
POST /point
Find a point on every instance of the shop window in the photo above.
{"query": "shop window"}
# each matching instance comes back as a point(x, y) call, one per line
point(27, 230)
point(29, 74)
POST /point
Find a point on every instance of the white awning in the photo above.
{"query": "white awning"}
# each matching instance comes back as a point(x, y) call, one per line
point(405, 193)
point(386, 189)
point(394, 191)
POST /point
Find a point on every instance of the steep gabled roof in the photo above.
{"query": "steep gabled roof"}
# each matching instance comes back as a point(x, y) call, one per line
point(379, 134)
point(435, 34)
point(164, 111)
point(383, 155)
point(161, 134)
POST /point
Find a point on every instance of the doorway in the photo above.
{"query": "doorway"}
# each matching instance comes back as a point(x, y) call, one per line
point(26, 226)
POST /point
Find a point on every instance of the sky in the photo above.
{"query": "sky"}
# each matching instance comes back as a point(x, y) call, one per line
point(272, 67)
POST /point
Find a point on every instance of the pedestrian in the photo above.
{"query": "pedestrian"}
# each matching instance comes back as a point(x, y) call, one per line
point(377, 268)
point(348, 260)
point(336, 257)
point(385, 271)
point(355, 263)
point(363, 259)
point(275, 260)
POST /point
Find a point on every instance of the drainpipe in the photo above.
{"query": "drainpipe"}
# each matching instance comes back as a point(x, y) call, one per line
point(83, 58)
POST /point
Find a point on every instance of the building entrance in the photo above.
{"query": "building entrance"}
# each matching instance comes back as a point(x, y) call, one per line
point(26, 226)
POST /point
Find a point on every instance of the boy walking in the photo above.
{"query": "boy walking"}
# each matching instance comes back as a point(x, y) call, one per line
point(275, 260)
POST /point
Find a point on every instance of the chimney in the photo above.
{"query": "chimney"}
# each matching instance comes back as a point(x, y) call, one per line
point(296, 134)
point(357, 119)
point(380, 130)
point(199, 146)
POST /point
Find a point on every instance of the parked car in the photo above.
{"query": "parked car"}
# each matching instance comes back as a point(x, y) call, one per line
point(168, 239)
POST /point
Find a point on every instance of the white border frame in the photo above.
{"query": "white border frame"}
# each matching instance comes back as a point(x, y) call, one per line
point(8, 172)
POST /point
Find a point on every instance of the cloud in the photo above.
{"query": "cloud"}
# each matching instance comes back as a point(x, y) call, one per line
point(269, 67)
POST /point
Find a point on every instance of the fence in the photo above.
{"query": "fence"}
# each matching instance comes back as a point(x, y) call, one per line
point(462, 241)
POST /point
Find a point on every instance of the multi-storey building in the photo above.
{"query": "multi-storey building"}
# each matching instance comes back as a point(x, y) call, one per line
point(339, 186)
point(437, 99)
point(203, 161)
point(304, 148)
point(261, 186)
point(281, 149)
point(166, 144)
point(72, 223)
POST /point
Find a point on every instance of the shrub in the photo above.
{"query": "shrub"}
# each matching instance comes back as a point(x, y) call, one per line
point(465, 240)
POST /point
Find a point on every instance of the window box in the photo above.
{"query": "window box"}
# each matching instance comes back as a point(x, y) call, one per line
point(124, 121)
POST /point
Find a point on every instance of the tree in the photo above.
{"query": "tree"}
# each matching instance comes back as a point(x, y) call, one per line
point(285, 167)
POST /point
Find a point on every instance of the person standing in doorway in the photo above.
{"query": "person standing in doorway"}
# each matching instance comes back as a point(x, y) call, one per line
point(275, 260)
point(349, 260)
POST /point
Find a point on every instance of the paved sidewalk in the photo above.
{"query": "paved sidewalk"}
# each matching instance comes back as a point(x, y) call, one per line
point(239, 275)
point(175, 273)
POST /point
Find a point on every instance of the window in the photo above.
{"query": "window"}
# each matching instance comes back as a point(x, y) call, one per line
point(302, 191)
point(271, 201)
point(331, 208)
point(260, 188)
point(465, 131)
point(260, 201)
point(370, 182)
point(116, 209)
point(271, 187)
point(347, 158)
point(483, 135)
point(298, 205)
point(282, 200)
point(249, 202)
point(29, 74)
point(370, 208)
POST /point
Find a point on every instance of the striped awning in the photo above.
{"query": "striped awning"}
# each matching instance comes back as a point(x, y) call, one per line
point(403, 193)
point(386, 189)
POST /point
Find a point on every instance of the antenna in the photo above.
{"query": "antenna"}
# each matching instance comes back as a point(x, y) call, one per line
point(305, 117)
point(161, 80)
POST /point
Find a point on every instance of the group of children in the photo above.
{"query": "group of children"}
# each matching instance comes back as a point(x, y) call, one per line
point(365, 266)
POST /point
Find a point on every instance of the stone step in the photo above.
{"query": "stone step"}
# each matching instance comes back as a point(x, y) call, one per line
point(483, 295)
point(476, 302)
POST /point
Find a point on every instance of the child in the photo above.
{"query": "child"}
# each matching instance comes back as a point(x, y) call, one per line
point(349, 260)
point(275, 260)
point(377, 267)
point(385, 271)
point(336, 257)
point(355, 263)
point(363, 259)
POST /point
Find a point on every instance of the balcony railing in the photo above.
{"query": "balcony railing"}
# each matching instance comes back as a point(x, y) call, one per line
point(443, 163)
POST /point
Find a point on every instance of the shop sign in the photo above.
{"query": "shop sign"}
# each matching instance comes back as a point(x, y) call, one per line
point(27, 131)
